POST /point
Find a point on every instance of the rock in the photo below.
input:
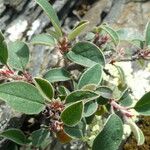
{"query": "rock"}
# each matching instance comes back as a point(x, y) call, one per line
point(94, 14)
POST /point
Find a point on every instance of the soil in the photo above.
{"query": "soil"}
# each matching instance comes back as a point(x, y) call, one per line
point(131, 143)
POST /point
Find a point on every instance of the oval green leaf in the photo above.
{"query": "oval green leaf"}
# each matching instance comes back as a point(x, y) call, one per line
point(91, 87)
point(86, 54)
point(39, 136)
point(3, 49)
point(48, 9)
point(90, 108)
point(15, 135)
point(125, 99)
point(83, 95)
point(111, 136)
point(45, 88)
point(57, 74)
point(23, 97)
point(105, 92)
point(78, 29)
point(143, 105)
point(18, 55)
point(93, 75)
point(77, 131)
point(72, 114)
point(43, 39)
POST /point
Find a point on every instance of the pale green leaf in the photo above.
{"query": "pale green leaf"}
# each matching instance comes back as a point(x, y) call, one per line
point(112, 33)
point(43, 39)
point(147, 34)
point(111, 136)
point(45, 88)
point(137, 132)
point(48, 9)
point(77, 131)
point(78, 29)
point(57, 74)
point(105, 92)
point(93, 75)
point(83, 95)
point(39, 136)
point(18, 53)
point(72, 114)
point(23, 97)
point(86, 54)
point(90, 108)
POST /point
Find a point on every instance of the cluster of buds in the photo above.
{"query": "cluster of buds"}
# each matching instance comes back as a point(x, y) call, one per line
point(63, 45)
point(52, 113)
point(100, 40)
point(7, 74)
point(121, 52)
point(145, 54)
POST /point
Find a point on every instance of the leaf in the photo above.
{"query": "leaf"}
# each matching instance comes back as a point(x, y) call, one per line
point(86, 54)
point(105, 92)
point(53, 34)
point(90, 87)
point(3, 49)
point(45, 88)
point(113, 34)
point(90, 108)
point(138, 43)
point(125, 100)
point(15, 135)
point(18, 53)
point(72, 114)
point(48, 9)
point(77, 131)
point(23, 97)
point(83, 95)
point(122, 78)
point(111, 136)
point(78, 29)
point(63, 90)
point(137, 132)
point(89, 36)
point(102, 101)
point(57, 74)
point(39, 136)
point(93, 75)
point(43, 39)
point(143, 105)
point(147, 34)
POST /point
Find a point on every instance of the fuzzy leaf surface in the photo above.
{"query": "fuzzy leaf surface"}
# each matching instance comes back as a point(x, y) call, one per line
point(86, 54)
point(48, 9)
point(18, 53)
point(111, 136)
point(72, 114)
point(57, 74)
point(22, 97)
point(93, 75)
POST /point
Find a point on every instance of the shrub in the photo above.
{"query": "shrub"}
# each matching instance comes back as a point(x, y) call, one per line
point(70, 103)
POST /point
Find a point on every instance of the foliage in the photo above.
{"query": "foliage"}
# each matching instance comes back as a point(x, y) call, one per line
point(67, 103)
